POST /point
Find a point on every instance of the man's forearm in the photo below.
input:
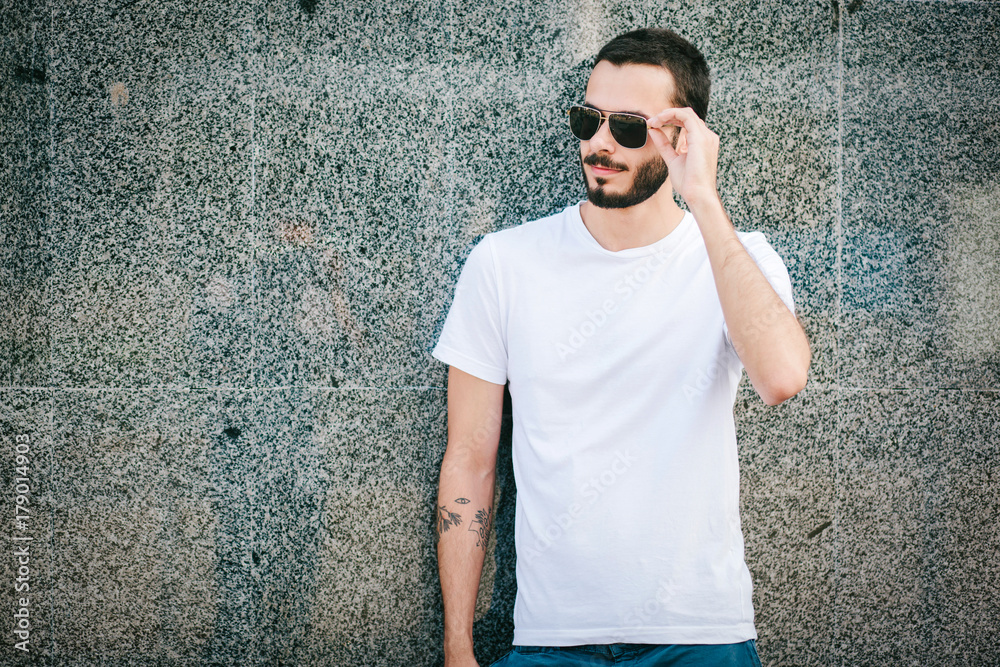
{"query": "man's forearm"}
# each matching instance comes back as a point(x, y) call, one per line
point(769, 340)
point(464, 523)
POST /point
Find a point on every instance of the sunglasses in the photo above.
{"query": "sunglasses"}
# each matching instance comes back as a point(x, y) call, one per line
point(628, 129)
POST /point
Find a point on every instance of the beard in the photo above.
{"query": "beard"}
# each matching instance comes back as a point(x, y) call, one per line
point(648, 178)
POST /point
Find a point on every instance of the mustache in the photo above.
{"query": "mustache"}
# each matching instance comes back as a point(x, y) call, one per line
point(600, 160)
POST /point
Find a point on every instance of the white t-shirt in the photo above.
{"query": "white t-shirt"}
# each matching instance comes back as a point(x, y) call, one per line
point(622, 378)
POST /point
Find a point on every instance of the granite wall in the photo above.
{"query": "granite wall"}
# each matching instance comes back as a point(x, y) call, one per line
point(230, 233)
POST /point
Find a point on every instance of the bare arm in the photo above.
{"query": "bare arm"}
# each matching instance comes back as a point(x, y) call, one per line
point(465, 504)
point(767, 337)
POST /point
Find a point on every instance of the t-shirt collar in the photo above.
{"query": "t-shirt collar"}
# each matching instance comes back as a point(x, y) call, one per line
point(665, 245)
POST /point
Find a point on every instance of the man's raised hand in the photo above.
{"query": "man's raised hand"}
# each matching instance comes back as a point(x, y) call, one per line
point(692, 158)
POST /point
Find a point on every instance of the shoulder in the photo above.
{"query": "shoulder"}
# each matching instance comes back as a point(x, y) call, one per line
point(754, 240)
point(531, 234)
point(502, 247)
point(759, 247)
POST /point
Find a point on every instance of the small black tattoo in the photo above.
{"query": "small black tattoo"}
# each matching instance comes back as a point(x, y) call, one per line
point(462, 501)
point(446, 519)
point(481, 526)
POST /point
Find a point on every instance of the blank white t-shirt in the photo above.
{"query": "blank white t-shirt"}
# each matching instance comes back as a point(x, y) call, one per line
point(622, 379)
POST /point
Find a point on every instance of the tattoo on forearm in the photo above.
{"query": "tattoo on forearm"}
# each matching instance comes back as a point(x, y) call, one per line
point(481, 525)
point(446, 519)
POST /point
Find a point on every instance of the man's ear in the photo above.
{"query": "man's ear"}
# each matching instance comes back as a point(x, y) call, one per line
point(680, 142)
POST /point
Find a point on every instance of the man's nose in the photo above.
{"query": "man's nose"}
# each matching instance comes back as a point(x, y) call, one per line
point(602, 140)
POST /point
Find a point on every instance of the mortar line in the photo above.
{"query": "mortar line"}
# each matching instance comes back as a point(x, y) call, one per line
point(50, 404)
point(838, 324)
point(813, 387)
point(234, 388)
point(252, 211)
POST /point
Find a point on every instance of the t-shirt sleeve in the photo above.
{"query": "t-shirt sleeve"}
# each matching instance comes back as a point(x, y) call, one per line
point(473, 339)
point(770, 264)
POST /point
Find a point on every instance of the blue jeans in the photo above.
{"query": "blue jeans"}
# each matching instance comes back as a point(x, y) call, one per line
point(635, 655)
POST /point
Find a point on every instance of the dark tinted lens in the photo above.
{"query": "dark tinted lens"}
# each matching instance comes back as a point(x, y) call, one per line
point(628, 131)
point(584, 122)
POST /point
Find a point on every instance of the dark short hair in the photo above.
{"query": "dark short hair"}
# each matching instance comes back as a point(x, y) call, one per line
point(665, 48)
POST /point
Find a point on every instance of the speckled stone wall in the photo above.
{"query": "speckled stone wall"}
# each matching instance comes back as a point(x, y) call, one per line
point(230, 233)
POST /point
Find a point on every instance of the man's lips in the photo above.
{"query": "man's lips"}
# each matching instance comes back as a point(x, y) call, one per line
point(602, 166)
point(604, 171)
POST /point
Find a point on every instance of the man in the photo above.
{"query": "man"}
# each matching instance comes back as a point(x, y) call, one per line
point(622, 325)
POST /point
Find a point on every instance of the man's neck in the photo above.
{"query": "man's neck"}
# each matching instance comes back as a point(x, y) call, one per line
point(634, 227)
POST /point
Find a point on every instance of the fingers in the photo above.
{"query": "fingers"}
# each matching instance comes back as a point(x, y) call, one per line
point(679, 116)
point(664, 141)
point(684, 118)
point(692, 135)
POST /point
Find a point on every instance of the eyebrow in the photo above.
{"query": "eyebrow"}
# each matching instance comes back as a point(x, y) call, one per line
point(586, 103)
